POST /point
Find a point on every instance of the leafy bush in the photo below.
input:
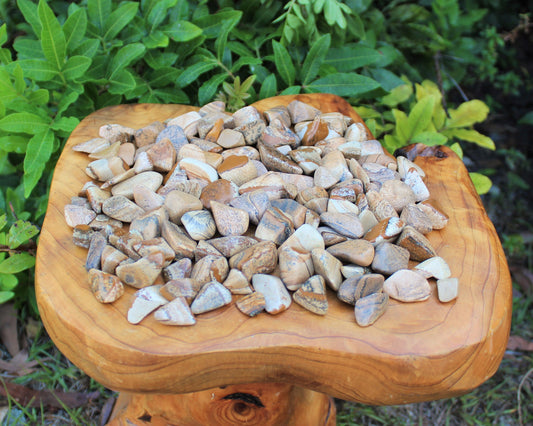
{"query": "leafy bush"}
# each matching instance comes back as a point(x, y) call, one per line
point(59, 61)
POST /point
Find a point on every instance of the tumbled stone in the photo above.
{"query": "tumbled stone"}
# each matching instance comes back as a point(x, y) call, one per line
point(434, 267)
point(308, 158)
point(105, 169)
point(252, 131)
point(121, 208)
point(327, 266)
point(210, 268)
point(238, 169)
point(370, 308)
point(221, 190)
point(254, 203)
point(312, 193)
point(175, 134)
point(94, 254)
point(330, 236)
point(318, 205)
point(274, 226)
point(116, 133)
point(312, 295)
point(148, 134)
point(414, 216)
point(182, 244)
point(407, 286)
point(147, 198)
point(277, 298)
point(300, 111)
point(347, 190)
point(151, 180)
point(332, 169)
point(342, 206)
point(96, 197)
point(381, 208)
point(405, 164)
point(418, 246)
point(278, 135)
point(106, 288)
point(155, 245)
point(78, 215)
point(292, 209)
point(229, 220)
point(415, 182)
point(162, 155)
point(177, 203)
point(141, 273)
point(92, 145)
point(237, 283)
point(275, 160)
point(128, 174)
point(357, 170)
point(347, 224)
point(196, 169)
point(181, 287)
point(295, 267)
point(213, 295)
point(261, 258)
point(437, 217)
point(390, 258)
point(252, 304)
point(203, 249)
point(270, 183)
point(245, 115)
point(230, 138)
point(280, 113)
point(447, 289)
point(305, 238)
point(124, 242)
point(146, 301)
point(176, 312)
point(386, 230)
point(180, 269)
point(360, 252)
point(397, 193)
point(315, 131)
point(368, 219)
point(352, 270)
point(81, 235)
point(228, 246)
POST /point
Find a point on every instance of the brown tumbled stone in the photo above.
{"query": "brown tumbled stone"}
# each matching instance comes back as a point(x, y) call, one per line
point(261, 258)
point(390, 258)
point(183, 287)
point(360, 252)
point(252, 304)
point(274, 226)
point(210, 268)
point(229, 220)
point(213, 295)
point(237, 283)
point(141, 273)
point(347, 224)
point(418, 246)
point(106, 288)
point(407, 286)
point(228, 246)
point(221, 190)
point(370, 308)
point(295, 267)
point(327, 266)
point(176, 312)
point(312, 295)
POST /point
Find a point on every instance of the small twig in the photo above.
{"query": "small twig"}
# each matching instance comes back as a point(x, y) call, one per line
point(524, 25)
point(436, 58)
point(13, 211)
point(463, 94)
point(518, 395)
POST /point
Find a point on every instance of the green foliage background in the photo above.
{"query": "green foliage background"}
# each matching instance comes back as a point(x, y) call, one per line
point(59, 61)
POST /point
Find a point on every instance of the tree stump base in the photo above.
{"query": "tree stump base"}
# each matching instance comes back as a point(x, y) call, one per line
point(250, 404)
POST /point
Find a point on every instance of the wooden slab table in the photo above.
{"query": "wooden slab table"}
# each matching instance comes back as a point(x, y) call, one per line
point(231, 369)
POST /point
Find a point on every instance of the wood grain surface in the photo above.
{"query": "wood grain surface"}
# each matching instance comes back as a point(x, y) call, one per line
point(415, 352)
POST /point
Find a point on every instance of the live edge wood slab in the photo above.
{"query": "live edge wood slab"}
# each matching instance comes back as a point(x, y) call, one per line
point(415, 352)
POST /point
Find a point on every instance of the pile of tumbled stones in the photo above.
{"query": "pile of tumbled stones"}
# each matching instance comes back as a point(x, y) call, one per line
point(272, 208)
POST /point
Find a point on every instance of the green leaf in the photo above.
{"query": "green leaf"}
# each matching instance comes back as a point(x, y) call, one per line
point(52, 37)
point(314, 59)
point(420, 116)
point(74, 28)
point(124, 57)
point(269, 87)
point(5, 296)
point(181, 31)
point(23, 122)
point(283, 63)
point(119, 18)
point(194, 71)
point(121, 82)
point(481, 182)
point(343, 84)
point(213, 25)
point(17, 263)
point(429, 138)
point(292, 90)
point(351, 57)
point(175, 97)
point(66, 100)
point(3, 34)
point(164, 76)
point(76, 67)
point(87, 48)
point(387, 79)
point(20, 84)
point(392, 143)
point(3, 221)
point(467, 114)
point(527, 119)
point(99, 10)
point(474, 136)
point(39, 97)
point(155, 40)
point(20, 232)
point(65, 124)
point(402, 131)
point(28, 49)
point(455, 147)
point(12, 143)
point(243, 61)
point(209, 88)
point(397, 95)
point(38, 152)
point(7, 283)
point(158, 12)
point(29, 10)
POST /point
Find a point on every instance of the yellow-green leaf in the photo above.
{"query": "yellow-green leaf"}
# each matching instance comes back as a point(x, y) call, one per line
point(429, 138)
point(467, 114)
point(473, 136)
point(455, 147)
point(420, 116)
point(481, 182)
point(401, 125)
point(38, 152)
point(17, 263)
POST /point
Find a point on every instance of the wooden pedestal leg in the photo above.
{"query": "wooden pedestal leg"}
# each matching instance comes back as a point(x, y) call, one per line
point(251, 404)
